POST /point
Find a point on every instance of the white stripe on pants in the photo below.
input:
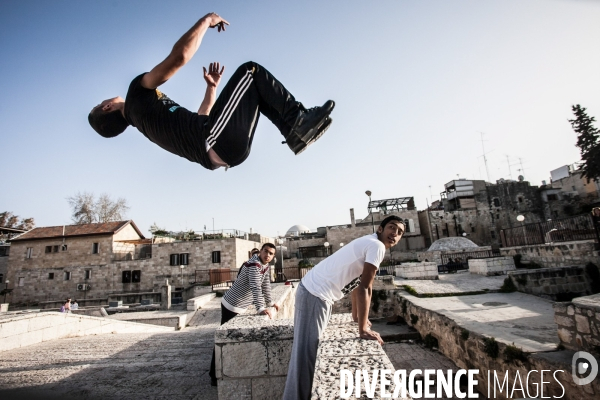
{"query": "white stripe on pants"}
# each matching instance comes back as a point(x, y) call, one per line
point(311, 315)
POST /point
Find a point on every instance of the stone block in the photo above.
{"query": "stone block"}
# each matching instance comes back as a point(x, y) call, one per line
point(4, 307)
point(41, 321)
point(235, 389)
point(563, 321)
point(570, 310)
point(279, 353)
point(13, 328)
point(270, 388)
point(582, 324)
point(565, 335)
point(247, 359)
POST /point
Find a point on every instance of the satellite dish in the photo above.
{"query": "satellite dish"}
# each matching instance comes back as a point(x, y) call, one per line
point(521, 178)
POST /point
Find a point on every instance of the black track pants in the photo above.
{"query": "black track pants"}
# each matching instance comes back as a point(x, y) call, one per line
point(232, 121)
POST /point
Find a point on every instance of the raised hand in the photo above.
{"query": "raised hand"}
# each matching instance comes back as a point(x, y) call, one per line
point(213, 75)
point(216, 21)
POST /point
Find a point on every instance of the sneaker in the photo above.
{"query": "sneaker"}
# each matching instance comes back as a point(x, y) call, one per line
point(301, 146)
point(309, 122)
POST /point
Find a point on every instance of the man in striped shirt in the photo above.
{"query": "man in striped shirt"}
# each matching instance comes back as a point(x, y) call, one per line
point(220, 134)
point(252, 286)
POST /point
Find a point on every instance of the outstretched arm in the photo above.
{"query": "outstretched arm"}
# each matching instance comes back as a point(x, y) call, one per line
point(182, 51)
point(212, 78)
point(363, 297)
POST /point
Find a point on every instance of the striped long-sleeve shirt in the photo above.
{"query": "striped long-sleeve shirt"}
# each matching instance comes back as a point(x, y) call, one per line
point(253, 285)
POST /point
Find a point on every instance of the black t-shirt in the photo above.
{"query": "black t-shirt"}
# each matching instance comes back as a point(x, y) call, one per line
point(166, 123)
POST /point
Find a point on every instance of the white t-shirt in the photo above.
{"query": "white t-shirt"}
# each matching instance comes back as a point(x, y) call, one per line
point(340, 273)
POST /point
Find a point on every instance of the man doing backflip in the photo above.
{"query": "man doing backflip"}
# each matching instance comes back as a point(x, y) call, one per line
point(220, 134)
point(351, 269)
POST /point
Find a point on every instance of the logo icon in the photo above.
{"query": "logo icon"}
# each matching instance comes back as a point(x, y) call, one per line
point(584, 363)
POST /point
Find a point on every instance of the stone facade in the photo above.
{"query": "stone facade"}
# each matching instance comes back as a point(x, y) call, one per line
point(422, 270)
point(555, 284)
point(491, 266)
point(579, 324)
point(32, 280)
point(557, 255)
point(482, 212)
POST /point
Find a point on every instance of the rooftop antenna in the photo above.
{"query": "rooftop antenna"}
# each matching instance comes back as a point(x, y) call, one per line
point(485, 158)
point(509, 172)
point(521, 170)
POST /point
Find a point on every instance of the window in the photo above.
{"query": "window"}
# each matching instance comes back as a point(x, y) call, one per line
point(520, 199)
point(48, 249)
point(67, 276)
point(216, 257)
point(126, 277)
point(574, 188)
point(29, 252)
point(95, 248)
point(472, 228)
point(552, 197)
point(493, 234)
point(174, 259)
point(136, 276)
point(1, 278)
point(406, 226)
point(4, 251)
point(64, 247)
point(87, 274)
point(55, 249)
point(50, 275)
point(184, 258)
point(445, 232)
point(21, 281)
point(496, 202)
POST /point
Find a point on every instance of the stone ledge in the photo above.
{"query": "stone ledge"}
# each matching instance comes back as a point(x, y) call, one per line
point(254, 328)
point(197, 302)
point(592, 302)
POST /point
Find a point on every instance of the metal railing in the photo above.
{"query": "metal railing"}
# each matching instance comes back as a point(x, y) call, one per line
point(222, 277)
point(204, 235)
point(579, 227)
point(287, 273)
point(459, 261)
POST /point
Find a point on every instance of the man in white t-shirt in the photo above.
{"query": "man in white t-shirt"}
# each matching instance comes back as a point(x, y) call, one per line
point(351, 269)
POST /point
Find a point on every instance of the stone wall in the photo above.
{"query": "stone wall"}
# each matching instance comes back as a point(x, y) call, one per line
point(252, 352)
point(383, 299)
point(557, 254)
point(3, 268)
point(555, 284)
point(422, 270)
point(579, 324)
point(491, 266)
point(21, 330)
point(467, 350)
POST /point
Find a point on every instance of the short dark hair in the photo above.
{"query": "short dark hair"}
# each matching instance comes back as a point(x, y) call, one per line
point(271, 245)
point(391, 218)
point(107, 124)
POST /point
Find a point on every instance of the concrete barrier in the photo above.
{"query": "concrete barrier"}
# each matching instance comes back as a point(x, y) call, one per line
point(195, 303)
point(21, 330)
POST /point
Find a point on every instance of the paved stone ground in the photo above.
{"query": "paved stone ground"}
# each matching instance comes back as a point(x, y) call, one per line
point(449, 284)
point(409, 356)
point(121, 366)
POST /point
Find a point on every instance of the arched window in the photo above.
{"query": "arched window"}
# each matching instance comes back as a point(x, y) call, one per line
point(496, 202)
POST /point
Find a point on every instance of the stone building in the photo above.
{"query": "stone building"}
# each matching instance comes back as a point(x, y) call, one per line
point(479, 210)
point(568, 193)
point(300, 244)
point(97, 260)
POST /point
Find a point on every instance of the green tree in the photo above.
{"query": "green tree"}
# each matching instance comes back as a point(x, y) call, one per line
point(9, 220)
point(588, 141)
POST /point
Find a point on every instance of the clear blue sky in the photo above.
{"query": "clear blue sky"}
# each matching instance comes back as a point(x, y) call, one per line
point(414, 84)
